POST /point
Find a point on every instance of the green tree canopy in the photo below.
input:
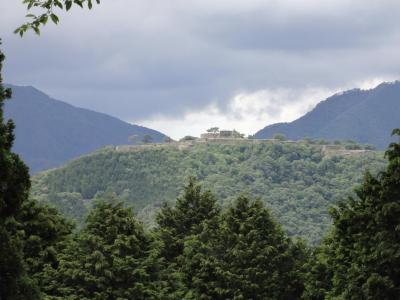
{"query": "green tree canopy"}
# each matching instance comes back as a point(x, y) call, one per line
point(43, 232)
point(110, 258)
point(147, 138)
point(362, 252)
point(279, 137)
point(14, 189)
point(176, 223)
point(247, 256)
point(213, 130)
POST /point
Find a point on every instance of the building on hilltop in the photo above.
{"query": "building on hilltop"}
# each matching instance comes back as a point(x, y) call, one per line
point(222, 134)
point(209, 135)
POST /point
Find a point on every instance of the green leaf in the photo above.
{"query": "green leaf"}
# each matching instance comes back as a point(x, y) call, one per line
point(37, 30)
point(58, 4)
point(396, 131)
point(54, 18)
point(43, 19)
point(68, 5)
point(78, 2)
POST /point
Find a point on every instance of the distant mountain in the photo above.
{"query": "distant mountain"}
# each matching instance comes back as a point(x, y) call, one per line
point(366, 116)
point(50, 132)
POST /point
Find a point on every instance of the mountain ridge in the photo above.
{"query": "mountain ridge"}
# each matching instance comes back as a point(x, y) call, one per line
point(50, 132)
point(366, 116)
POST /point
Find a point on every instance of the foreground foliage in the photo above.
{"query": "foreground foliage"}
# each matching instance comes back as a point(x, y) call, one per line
point(41, 11)
point(109, 259)
point(195, 252)
point(14, 189)
point(360, 259)
point(30, 234)
point(200, 250)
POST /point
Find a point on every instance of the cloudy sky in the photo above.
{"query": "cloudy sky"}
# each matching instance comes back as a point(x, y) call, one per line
point(182, 66)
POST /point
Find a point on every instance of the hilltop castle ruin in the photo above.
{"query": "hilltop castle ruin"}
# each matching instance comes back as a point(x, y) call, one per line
point(214, 133)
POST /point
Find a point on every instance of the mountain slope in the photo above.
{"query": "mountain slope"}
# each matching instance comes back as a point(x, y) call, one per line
point(296, 180)
point(50, 132)
point(364, 116)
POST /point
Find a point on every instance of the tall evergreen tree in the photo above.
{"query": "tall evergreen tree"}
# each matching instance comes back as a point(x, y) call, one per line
point(44, 232)
point(14, 190)
point(247, 257)
point(175, 224)
point(363, 251)
point(194, 211)
point(318, 278)
point(111, 258)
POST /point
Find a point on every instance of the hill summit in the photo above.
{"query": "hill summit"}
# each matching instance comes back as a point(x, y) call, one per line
point(297, 181)
point(50, 132)
point(366, 116)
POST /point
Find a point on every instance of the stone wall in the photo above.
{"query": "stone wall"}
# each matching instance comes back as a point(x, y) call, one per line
point(184, 145)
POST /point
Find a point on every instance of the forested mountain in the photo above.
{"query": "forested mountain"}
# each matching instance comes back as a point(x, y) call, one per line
point(366, 116)
point(296, 180)
point(50, 132)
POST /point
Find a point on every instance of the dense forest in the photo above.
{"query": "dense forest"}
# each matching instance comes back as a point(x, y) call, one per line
point(297, 181)
point(274, 221)
point(199, 247)
point(201, 250)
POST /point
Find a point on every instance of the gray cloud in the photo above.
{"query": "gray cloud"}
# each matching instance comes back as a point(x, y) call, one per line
point(316, 27)
point(137, 59)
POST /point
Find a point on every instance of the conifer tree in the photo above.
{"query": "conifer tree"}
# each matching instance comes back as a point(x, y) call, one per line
point(44, 232)
point(111, 258)
point(191, 216)
point(247, 257)
point(363, 251)
point(14, 189)
point(187, 218)
point(318, 278)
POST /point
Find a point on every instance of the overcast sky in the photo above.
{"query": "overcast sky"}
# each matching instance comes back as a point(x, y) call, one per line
point(184, 66)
